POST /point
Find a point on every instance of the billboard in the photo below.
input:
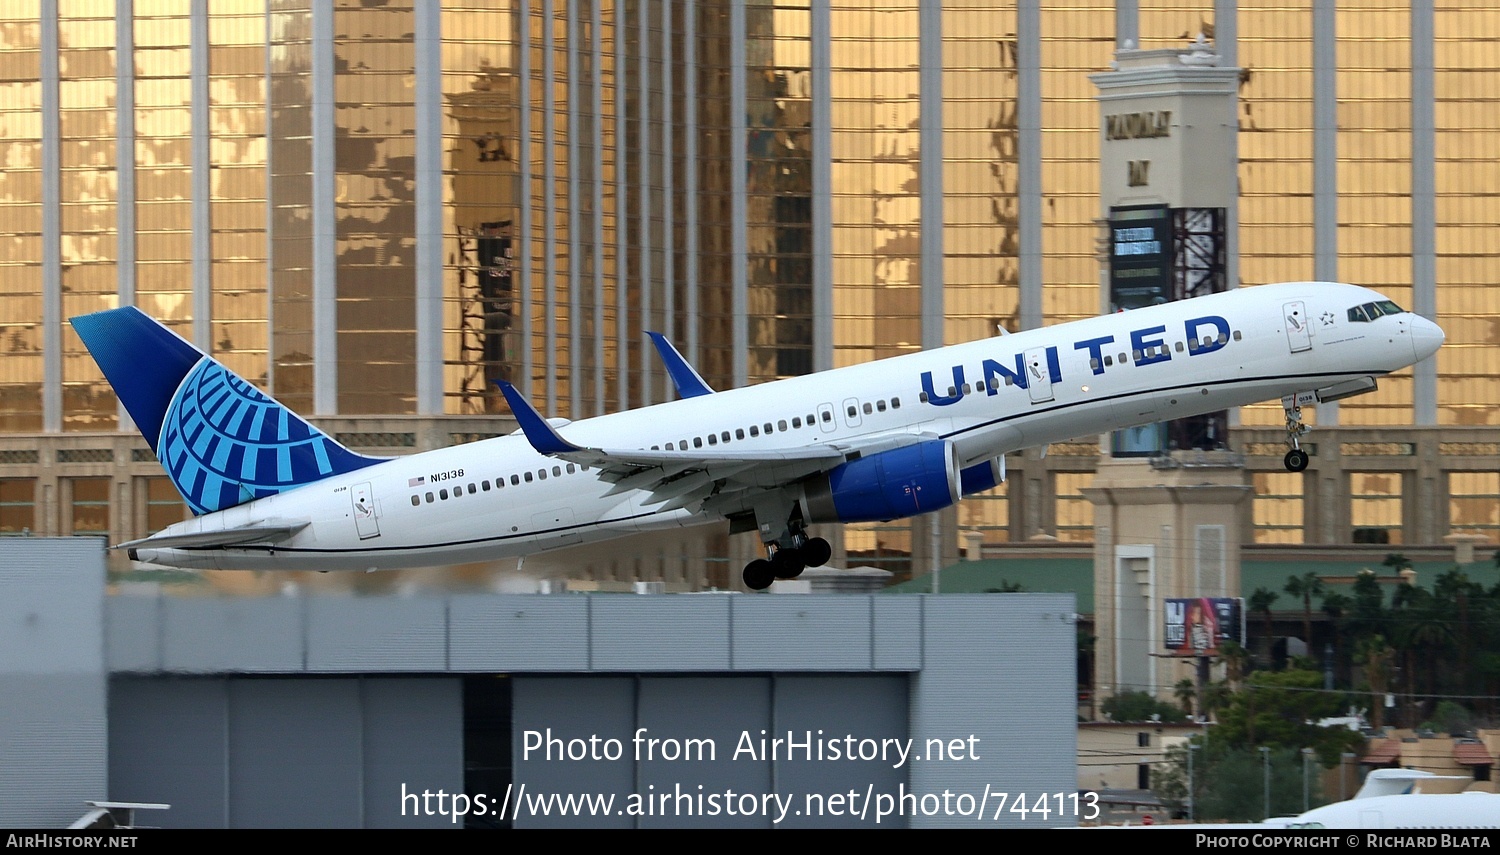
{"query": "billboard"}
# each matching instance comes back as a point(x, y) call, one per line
point(1140, 256)
point(1197, 626)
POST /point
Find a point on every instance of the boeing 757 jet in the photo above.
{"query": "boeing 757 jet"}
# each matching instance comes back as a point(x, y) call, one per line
point(880, 441)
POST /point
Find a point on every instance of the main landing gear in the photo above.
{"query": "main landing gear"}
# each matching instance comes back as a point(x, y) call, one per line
point(786, 562)
point(1296, 460)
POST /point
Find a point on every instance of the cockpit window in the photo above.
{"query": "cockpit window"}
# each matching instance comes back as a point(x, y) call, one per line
point(1371, 311)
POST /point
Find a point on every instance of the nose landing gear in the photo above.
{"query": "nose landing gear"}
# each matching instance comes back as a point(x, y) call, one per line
point(1296, 460)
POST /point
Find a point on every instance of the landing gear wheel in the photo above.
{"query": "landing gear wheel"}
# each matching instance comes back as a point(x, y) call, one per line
point(758, 575)
point(816, 552)
point(1296, 460)
point(788, 563)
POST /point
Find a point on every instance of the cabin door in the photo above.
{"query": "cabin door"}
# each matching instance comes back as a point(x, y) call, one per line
point(1298, 330)
point(366, 521)
point(1038, 376)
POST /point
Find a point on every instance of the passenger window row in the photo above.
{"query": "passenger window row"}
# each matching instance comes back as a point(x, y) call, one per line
point(870, 408)
point(443, 494)
point(768, 428)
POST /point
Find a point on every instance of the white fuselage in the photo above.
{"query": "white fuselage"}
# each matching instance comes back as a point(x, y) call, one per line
point(498, 498)
point(1411, 810)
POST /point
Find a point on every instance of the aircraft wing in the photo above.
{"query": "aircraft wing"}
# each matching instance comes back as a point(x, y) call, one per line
point(682, 478)
point(267, 531)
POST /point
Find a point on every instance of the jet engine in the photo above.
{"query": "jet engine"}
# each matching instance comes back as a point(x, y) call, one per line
point(902, 482)
point(985, 475)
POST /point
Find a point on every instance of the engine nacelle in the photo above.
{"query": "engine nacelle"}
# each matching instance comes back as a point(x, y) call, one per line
point(982, 476)
point(890, 485)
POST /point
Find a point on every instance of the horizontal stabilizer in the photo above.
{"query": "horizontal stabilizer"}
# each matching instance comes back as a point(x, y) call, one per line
point(262, 532)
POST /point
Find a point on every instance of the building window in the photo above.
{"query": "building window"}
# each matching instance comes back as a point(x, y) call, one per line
point(883, 545)
point(163, 505)
point(1375, 500)
point(1075, 514)
point(1277, 507)
point(90, 506)
point(17, 506)
point(987, 513)
point(1474, 503)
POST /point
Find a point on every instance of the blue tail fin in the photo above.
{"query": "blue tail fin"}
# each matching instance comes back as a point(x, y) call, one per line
point(221, 441)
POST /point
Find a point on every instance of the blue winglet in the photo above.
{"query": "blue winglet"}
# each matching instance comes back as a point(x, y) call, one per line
point(689, 382)
point(540, 434)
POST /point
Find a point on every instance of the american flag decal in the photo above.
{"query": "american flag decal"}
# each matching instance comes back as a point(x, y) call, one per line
point(417, 481)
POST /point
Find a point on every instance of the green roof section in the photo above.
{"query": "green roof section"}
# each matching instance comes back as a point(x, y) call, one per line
point(1076, 576)
point(1339, 575)
point(1036, 575)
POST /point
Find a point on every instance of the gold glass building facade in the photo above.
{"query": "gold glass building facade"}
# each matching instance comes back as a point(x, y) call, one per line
point(21, 368)
point(378, 208)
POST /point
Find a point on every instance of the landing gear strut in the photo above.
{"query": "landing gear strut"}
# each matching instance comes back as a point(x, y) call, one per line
point(1296, 460)
point(787, 560)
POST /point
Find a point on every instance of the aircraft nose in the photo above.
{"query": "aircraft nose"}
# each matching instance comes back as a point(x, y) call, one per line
point(1426, 337)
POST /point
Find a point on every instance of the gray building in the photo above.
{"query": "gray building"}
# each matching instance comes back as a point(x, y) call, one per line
point(655, 711)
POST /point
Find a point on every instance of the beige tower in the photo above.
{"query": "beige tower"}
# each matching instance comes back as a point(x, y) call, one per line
point(1167, 497)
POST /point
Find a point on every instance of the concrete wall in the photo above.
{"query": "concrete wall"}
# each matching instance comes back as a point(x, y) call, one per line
point(988, 679)
point(252, 752)
point(53, 754)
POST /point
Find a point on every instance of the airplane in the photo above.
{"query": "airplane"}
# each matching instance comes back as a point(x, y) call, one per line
point(880, 441)
point(1394, 798)
point(1388, 799)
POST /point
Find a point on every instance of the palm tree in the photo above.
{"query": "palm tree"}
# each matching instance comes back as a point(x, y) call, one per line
point(1186, 692)
point(1306, 586)
point(1423, 630)
point(1454, 588)
point(1398, 562)
point(1366, 614)
point(1377, 657)
point(1337, 606)
point(1403, 599)
point(1428, 630)
point(1261, 601)
point(1235, 658)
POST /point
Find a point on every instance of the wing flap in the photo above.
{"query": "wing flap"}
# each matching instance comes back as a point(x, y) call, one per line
point(699, 483)
point(643, 478)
